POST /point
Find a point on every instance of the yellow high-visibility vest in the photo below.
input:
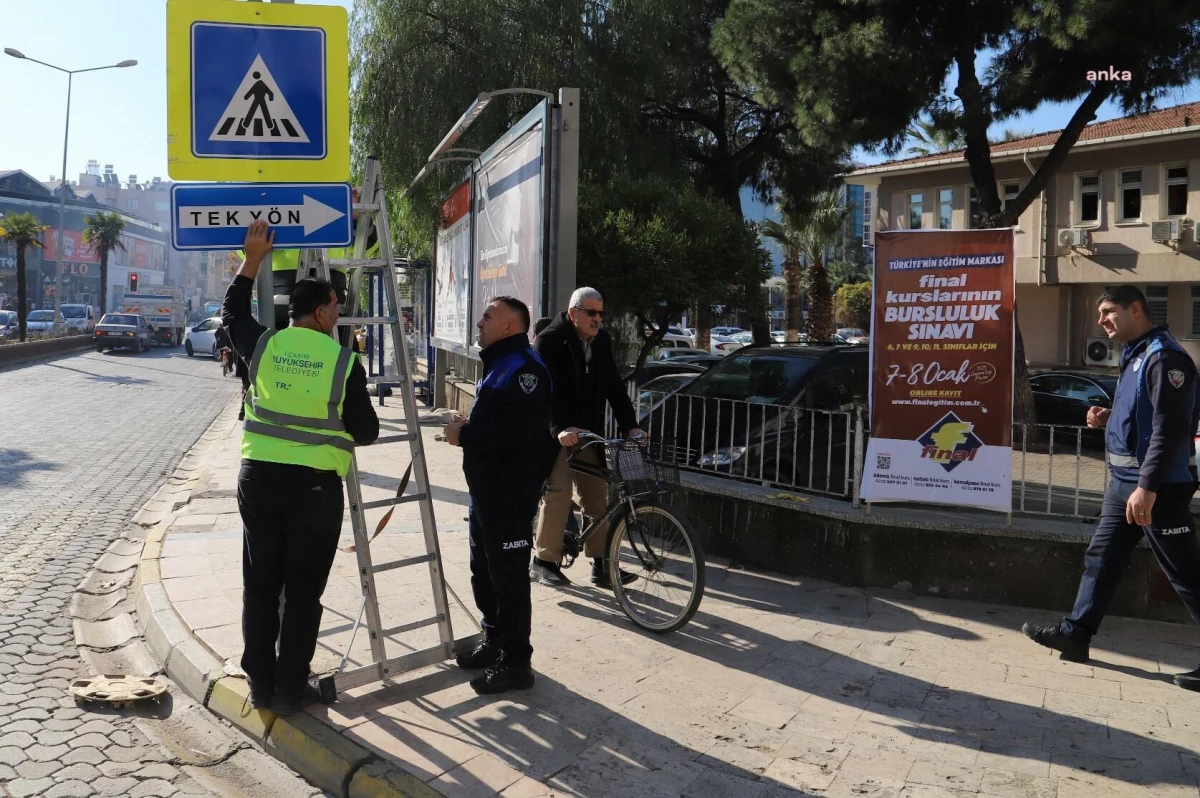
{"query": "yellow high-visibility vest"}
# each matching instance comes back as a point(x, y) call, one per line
point(294, 405)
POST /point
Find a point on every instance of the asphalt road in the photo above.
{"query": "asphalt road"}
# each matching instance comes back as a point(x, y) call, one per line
point(84, 441)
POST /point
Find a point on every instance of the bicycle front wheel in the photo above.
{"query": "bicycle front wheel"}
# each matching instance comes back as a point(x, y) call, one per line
point(657, 545)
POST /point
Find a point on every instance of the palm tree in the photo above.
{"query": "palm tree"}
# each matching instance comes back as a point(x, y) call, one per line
point(932, 138)
point(103, 232)
point(785, 233)
point(1010, 135)
point(23, 230)
point(808, 234)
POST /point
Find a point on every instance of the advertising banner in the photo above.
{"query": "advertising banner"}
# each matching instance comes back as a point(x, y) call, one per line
point(509, 226)
point(77, 250)
point(453, 269)
point(942, 341)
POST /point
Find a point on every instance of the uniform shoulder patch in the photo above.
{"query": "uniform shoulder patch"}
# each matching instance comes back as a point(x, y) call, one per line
point(528, 382)
point(1175, 377)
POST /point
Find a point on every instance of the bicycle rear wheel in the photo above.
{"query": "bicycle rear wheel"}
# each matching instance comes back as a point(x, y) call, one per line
point(657, 545)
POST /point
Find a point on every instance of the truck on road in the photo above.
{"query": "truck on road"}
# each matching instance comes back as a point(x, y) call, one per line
point(165, 310)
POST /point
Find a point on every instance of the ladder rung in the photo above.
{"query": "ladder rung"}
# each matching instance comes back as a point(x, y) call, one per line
point(355, 263)
point(354, 321)
point(386, 379)
point(412, 497)
point(366, 206)
point(408, 627)
point(405, 438)
point(390, 566)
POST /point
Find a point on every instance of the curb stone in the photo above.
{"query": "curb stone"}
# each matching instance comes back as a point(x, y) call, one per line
point(310, 747)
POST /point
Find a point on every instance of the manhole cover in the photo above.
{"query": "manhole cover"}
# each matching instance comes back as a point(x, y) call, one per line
point(118, 691)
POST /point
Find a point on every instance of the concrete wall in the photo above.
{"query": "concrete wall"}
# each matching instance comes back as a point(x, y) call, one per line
point(1014, 570)
point(1041, 317)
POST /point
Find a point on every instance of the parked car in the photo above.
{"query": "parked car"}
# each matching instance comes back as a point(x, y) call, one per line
point(123, 331)
point(1062, 398)
point(853, 336)
point(42, 321)
point(674, 353)
point(765, 413)
point(722, 344)
point(202, 338)
point(726, 331)
point(655, 392)
point(657, 368)
point(8, 324)
point(80, 318)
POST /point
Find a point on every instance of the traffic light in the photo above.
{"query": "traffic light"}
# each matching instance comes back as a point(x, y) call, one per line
point(133, 282)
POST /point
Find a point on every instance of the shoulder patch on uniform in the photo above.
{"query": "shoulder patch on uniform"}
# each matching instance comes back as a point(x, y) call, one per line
point(1175, 377)
point(528, 382)
point(1137, 364)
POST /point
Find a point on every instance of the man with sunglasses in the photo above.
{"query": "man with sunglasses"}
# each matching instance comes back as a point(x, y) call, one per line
point(578, 353)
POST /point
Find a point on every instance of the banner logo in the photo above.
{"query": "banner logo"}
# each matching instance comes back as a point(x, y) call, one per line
point(950, 442)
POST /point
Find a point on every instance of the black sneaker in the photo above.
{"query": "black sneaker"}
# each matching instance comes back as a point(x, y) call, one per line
point(1072, 649)
point(482, 656)
point(286, 705)
point(503, 676)
point(1189, 680)
point(547, 573)
point(600, 577)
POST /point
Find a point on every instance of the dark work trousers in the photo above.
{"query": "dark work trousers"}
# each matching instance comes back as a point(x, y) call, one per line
point(1171, 535)
point(291, 520)
point(501, 543)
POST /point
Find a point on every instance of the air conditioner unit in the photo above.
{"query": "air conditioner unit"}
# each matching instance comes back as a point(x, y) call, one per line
point(1101, 352)
point(1074, 237)
point(1166, 230)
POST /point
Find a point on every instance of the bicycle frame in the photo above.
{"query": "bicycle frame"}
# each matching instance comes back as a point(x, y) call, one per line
point(617, 508)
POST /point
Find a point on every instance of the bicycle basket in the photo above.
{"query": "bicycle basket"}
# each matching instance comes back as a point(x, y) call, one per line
point(637, 469)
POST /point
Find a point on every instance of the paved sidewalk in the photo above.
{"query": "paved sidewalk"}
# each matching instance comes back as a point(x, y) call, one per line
point(780, 686)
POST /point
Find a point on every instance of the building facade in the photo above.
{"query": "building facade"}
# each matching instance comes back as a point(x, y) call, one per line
point(144, 253)
point(1119, 210)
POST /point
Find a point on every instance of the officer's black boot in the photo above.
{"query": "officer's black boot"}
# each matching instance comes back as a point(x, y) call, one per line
point(600, 576)
point(1072, 649)
point(547, 573)
point(1189, 680)
point(503, 676)
point(482, 656)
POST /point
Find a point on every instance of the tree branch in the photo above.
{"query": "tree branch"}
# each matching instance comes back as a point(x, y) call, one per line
point(975, 120)
point(1083, 115)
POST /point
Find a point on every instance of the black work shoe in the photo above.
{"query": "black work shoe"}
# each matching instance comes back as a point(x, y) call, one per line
point(547, 573)
point(503, 676)
point(287, 705)
point(600, 577)
point(1189, 680)
point(1072, 649)
point(482, 656)
point(260, 697)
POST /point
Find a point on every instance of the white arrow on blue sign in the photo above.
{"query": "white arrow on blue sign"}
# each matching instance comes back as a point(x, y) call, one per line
point(302, 215)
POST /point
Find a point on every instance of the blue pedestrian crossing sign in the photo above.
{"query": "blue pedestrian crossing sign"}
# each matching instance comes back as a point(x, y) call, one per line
point(257, 91)
point(216, 216)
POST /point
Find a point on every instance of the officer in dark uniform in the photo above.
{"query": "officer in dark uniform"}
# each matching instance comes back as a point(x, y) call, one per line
point(503, 443)
point(1151, 455)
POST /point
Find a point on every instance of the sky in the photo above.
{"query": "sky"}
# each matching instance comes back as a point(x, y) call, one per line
point(118, 116)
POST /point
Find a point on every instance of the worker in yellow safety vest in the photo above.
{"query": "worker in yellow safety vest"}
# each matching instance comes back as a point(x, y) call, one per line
point(306, 409)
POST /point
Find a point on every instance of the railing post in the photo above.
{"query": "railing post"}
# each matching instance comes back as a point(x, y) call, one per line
point(856, 501)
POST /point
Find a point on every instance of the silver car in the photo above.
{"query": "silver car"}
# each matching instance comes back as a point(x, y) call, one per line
point(42, 321)
point(123, 331)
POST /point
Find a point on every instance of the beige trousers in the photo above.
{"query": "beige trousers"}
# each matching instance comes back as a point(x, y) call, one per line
point(556, 505)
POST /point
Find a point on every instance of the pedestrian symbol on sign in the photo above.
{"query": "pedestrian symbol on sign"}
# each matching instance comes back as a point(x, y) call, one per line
point(258, 111)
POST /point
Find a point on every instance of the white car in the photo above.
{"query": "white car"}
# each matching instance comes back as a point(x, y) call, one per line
point(202, 338)
point(723, 344)
point(42, 321)
point(80, 318)
point(726, 331)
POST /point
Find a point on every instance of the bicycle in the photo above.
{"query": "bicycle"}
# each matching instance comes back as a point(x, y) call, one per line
point(646, 537)
point(226, 355)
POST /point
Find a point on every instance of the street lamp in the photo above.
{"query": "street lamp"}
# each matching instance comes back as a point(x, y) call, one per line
point(62, 188)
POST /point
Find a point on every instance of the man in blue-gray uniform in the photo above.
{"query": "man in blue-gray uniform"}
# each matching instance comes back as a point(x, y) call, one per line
point(503, 443)
point(1151, 454)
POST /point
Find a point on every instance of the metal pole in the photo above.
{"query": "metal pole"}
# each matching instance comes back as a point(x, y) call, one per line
point(62, 216)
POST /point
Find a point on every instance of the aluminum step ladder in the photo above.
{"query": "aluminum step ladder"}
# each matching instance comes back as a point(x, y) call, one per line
point(373, 218)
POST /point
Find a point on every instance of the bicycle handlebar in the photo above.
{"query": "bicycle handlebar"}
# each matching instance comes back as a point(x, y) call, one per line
point(592, 437)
